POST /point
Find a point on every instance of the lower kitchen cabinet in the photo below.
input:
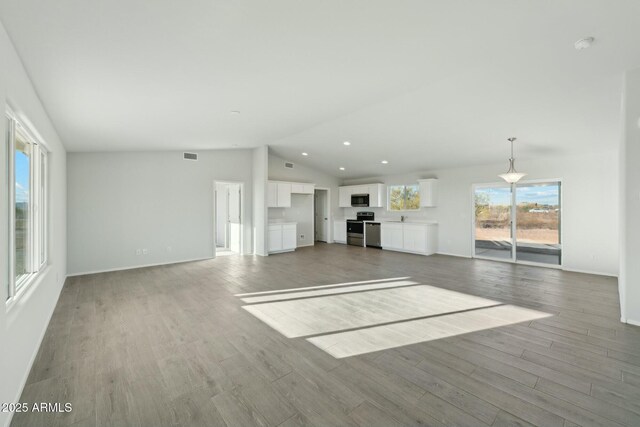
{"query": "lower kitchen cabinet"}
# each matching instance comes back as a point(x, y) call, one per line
point(410, 237)
point(391, 236)
point(340, 231)
point(282, 237)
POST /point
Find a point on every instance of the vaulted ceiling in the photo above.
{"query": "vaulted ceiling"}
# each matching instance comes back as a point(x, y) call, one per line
point(422, 84)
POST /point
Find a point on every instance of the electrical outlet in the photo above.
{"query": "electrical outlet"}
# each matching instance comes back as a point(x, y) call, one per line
point(138, 251)
point(169, 249)
point(145, 251)
point(302, 236)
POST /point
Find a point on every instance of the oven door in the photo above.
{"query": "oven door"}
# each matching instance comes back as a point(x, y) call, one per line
point(360, 200)
point(355, 233)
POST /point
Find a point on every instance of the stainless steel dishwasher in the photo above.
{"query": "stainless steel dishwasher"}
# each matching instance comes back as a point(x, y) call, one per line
point(372, 235)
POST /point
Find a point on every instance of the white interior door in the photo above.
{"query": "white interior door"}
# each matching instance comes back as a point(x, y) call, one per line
point(321, 218)
point(235, 220)
point(222, 215)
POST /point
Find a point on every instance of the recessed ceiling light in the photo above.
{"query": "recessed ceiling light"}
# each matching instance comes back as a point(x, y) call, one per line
point(305, 154)
point(235, 113)
point(341, 168)
point(384, 162)
point(584, 43)
point(346, 143)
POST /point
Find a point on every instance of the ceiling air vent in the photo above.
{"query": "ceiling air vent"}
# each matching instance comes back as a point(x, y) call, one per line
point(190, 156)
point(288, 165)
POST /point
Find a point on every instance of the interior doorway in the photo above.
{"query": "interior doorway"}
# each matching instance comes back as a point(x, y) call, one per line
point(228, 218)
point(321, 215)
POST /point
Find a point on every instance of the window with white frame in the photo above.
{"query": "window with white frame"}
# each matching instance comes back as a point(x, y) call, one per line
point(404, 197)
point(27, 167)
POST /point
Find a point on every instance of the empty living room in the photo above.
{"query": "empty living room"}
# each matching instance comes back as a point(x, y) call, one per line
point(320, 213)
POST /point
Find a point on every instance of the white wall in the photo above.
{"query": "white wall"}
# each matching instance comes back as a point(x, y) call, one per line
point(590, 205)
point(629, 283)
point(123, 201)
point(24, 323)
point(301, 173)
point(260, 213)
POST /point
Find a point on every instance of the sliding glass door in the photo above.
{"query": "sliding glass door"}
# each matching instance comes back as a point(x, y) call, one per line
point(493, 234)
point(538, 223)
point(519, 222)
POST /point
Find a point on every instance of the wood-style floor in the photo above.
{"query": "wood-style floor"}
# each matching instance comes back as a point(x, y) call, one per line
point(172, 346)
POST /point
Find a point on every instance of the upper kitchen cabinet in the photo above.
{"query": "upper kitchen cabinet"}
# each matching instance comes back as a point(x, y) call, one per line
point(376, 195)
point(300, 188)
point(344, 197)
point(428, 192)
point(279, 194)
point(375, 192)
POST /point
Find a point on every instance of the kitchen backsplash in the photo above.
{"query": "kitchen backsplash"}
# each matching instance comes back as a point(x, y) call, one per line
point(383, 213)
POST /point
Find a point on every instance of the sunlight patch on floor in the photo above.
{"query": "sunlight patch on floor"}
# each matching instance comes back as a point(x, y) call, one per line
point(335, 285)
point(332, 313)
point(333, 291)
point(367, 340)
point(360, 317)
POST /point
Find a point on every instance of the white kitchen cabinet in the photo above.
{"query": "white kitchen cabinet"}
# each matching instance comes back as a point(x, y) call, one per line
point(340, 231)
point(428, 192)
point(278, 194)
point(282, 237)
point(289, 232)
point(376, 195)
point(272, 194)
point(410, 237)
point(391, 236)
point(344, 197)
point(414, 238)
point(284, 195)
point(301, 188)
point(275, 238)
point(359, 189)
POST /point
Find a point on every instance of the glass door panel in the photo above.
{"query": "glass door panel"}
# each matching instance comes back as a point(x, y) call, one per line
point(493, 222)
point(538, 223)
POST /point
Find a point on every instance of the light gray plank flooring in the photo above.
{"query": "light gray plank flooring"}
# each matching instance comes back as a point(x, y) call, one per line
point(173, 346)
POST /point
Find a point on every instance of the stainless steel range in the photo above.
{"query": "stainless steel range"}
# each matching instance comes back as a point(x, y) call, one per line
point(355, 228)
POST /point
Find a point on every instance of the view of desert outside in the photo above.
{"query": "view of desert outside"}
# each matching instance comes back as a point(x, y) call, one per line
point(537, 213)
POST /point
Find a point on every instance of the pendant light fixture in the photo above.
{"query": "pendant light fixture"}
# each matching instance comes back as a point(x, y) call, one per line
point(512, 176)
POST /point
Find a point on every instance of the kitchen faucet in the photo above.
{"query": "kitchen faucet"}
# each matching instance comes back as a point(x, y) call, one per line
point(402, 218)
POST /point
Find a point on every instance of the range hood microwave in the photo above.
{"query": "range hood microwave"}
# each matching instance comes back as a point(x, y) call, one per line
point(360, 200)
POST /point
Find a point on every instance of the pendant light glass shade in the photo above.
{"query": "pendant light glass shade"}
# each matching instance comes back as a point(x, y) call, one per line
point(512, 175)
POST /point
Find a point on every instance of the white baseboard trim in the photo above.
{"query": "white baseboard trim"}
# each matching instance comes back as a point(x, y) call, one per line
point(23, 383)
point(109, 270)
point(631, 322)
point(450, 254)
point(597, 273)
point(304, 246)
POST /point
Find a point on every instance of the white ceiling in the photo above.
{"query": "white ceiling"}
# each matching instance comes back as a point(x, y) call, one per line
point(423, 84)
